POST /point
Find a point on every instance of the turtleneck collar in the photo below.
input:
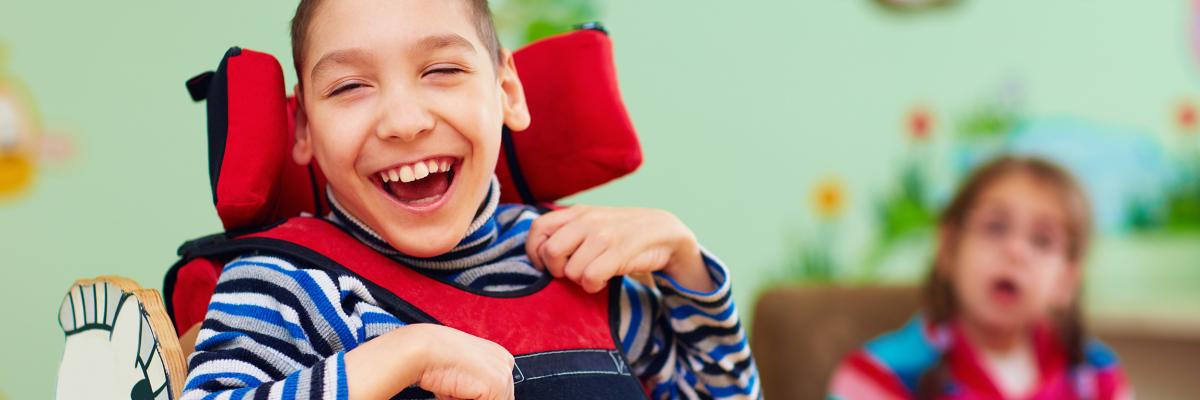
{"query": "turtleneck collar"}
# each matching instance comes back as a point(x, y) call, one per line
point(482, 232)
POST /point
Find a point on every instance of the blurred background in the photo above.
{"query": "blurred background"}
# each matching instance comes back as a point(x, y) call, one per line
point(808, 144)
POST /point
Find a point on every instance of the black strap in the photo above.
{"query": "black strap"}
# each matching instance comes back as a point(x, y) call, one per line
point(514, 168)
point(533, 367)
point(316, 191)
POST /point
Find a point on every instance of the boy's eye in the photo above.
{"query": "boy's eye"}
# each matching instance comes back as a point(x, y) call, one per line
point(445, 71)
point(345, 88)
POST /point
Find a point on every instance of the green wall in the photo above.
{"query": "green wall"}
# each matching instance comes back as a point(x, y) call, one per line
point(742, 106)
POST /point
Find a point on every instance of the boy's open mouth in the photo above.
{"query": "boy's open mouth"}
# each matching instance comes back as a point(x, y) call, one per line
point(418, 184)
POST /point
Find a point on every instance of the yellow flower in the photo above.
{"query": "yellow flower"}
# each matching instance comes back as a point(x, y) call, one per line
point(16, 173)
point(829, 198)
point(20, 138)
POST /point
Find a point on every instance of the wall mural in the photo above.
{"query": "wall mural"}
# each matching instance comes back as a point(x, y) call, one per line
point(25, 145)
point(1138, 185)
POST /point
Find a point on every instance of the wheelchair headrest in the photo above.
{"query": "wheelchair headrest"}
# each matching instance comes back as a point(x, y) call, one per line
point(580, 136)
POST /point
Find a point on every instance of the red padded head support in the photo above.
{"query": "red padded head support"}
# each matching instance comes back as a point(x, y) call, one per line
point(580, 136)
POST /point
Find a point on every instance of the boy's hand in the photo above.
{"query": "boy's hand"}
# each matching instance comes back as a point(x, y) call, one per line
point(590, 245)
point(461, 366)
point(447, 362)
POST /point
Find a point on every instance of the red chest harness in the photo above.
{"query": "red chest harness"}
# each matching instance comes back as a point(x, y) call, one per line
point(564, 339)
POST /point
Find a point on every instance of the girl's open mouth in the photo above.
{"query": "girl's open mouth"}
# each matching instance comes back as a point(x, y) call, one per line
point(419, 186)
point(1005, 290)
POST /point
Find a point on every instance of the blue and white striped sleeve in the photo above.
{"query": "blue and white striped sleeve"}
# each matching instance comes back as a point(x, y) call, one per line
point(277, 332)
point(684, 343)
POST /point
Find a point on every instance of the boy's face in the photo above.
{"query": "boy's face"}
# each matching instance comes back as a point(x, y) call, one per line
point(396, 90)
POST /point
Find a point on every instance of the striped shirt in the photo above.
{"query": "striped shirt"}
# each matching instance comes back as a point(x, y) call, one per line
point(277, 330)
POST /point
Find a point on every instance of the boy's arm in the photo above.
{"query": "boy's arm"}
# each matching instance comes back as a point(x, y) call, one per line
point(683, 341)
point(265, 333)
point(279, 332)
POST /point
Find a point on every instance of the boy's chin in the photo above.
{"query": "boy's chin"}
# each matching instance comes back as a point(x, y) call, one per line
point(422, 246)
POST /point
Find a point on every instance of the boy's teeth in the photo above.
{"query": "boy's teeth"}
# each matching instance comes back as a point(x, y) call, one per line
point(420, 170)
point(406, 174)
point(415, 171)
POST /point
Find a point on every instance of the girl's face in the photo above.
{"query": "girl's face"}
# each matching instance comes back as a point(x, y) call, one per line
point(1009, 264)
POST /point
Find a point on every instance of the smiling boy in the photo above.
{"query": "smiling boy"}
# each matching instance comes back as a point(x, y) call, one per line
point(402, 104)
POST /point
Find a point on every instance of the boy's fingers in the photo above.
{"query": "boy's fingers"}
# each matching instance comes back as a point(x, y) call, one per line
point(583, 256)
point(649, 260)
point(531, 250)
point(603, 268)
point(533, 244)
point(542, 228)
point(548, 223)
point(556, 250)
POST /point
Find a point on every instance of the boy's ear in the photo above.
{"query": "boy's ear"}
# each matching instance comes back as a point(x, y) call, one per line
point(512, 94)
point(302, 151)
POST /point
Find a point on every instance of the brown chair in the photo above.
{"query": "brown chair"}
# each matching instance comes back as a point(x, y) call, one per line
point(800, 333)
point(1161, 357)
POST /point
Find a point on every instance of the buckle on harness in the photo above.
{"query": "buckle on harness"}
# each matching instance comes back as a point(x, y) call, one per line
point(622, 368)
point(518, 377)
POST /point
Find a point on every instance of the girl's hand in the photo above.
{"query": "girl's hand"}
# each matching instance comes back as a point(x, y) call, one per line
point(590, 245)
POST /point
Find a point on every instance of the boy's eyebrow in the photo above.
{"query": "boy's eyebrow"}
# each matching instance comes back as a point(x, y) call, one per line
point(427, 44)
point(438, 42)
point(332, 58)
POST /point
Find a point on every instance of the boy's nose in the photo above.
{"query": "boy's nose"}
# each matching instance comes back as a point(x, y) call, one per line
point(403, 119)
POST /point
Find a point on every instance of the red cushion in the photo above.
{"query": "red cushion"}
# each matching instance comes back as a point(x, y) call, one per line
point(247, 114)
point(193, 287)
point(580, 135)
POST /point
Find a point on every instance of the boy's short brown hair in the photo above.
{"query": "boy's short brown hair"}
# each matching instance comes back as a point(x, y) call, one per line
point(479, 10)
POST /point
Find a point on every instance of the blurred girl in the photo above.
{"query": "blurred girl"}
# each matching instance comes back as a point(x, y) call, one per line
point(1001, 314)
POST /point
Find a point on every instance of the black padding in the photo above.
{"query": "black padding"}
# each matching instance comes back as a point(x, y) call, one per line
point(198, 86)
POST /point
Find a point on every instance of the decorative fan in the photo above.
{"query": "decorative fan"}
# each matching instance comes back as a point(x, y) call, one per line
point(120, 344)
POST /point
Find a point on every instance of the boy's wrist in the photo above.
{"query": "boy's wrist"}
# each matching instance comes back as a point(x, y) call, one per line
point(382, 367)
point(415, 342)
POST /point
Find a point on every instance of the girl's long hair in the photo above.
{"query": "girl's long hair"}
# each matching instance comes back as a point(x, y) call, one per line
point(939, 301)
